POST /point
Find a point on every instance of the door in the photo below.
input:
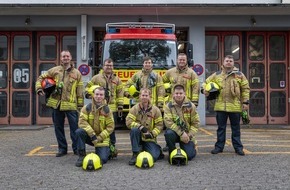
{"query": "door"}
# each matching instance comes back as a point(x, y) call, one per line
point(268, 72)
point(15, 78)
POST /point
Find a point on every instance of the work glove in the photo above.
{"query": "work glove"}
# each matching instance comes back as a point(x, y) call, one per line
point(40, 92)
point(143, 129)
point(148, 136)
point(126, 94)
point(94, 140)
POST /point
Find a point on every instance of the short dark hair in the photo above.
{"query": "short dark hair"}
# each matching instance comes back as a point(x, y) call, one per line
point(109, 60)
point(229, 57)
point(147, 58)
point(178, 87)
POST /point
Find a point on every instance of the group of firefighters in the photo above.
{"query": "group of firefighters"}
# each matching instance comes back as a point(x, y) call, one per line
point(167, 102)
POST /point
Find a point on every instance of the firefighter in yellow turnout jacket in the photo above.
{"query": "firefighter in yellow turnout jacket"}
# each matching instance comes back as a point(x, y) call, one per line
point(95, 126)
point(114, 93)
point(65, 100)
point(232, 99)
point(147, 78)
point(182, 74)
point(182, 122)
point(145, 122)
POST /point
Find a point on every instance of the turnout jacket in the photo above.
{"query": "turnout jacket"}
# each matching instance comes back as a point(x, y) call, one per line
point(186, 77)
point(150, 118)
point(97, 121)
point(175, 115)
point(234, 90)
point(114, 89)
point(69, 86)
point(151, 80)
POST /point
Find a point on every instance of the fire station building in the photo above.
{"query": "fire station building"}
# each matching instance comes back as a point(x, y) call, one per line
point(256, 33)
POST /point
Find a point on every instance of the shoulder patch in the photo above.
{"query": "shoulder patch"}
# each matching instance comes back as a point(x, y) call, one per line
point(188, 105)
point(89, 107)
point(170, 105)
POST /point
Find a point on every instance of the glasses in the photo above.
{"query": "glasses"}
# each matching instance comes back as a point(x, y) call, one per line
point(108, 65)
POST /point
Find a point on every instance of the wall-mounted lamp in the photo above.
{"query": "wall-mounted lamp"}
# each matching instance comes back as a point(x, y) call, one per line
point(253, 21)
point(27, 21)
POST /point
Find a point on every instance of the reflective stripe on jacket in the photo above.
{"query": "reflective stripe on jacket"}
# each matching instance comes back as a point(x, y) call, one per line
point(150, 118)
point(70, 96)
point(97, 121)
point(234, 90)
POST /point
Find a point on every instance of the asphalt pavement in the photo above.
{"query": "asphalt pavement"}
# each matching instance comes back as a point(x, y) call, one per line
point(28, 162)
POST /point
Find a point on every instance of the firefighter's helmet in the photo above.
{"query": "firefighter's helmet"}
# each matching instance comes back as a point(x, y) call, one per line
point(178, 157)
point(167, 87)
point(213, 90)
point(48, 86)
point(92, 162)
point(92, 89)
point(144, 160)
point(133, 91)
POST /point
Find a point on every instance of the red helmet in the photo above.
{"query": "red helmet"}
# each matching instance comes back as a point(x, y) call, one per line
point(47, 83)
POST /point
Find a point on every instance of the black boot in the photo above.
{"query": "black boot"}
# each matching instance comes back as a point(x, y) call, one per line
point(82, 154)
point(133, 159)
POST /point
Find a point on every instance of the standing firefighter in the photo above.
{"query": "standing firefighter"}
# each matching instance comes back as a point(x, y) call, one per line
point(233, 97)
point(95, 126)
point(66, 98)
point(182, 122)
point(147, 78)
point(114, 94)
point(145, 122)
point(185, 76)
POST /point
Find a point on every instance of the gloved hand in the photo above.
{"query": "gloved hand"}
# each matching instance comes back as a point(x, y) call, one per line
point(94, 140)
point(148, 136)
point(126, 94)
point(40, 92)
point(143, 129)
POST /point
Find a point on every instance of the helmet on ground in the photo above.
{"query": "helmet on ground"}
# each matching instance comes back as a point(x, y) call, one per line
point(245, 117)
point(167, 87)
point(213, 89)
point(133, 91)
point(92, 89)
point(178, 157)
point(144, 160)
point(92, 162)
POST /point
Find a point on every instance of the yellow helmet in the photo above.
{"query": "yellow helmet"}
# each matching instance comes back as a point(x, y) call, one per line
point(92, 162)
point(92, 89)
point(133, 91)
point(178, 157)
point(144, 160)
point(213, 89)
point(167, 87)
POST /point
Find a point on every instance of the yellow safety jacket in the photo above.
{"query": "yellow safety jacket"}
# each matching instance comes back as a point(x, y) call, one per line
point(234, 90)
point(114, 89)
point(97, 121)
point(182, 118)
point(69, 95)
point(151, 80)
point(150, 118)
point(186, 77)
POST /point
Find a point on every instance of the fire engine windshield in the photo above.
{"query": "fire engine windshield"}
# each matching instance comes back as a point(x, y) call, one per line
point(130, 53)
